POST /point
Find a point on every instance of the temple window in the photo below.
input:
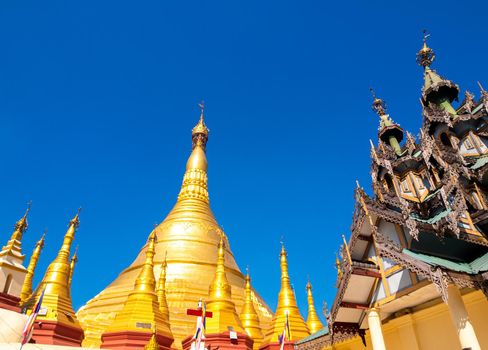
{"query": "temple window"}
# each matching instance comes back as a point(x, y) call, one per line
point(468, 143)
point(405, 185)
point(473, 145)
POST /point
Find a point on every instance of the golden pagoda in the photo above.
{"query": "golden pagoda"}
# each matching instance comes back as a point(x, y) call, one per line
point(27, 285)
point(141, 310)
point(220, 301)
point(57, 305)
point(287, 307)
point(249, 317)
point(313, 321)
point(190, 235)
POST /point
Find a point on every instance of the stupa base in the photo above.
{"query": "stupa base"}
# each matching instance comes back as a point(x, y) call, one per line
point(222, 341)
point(55, 333)
point(132, 340)
point(276, 346)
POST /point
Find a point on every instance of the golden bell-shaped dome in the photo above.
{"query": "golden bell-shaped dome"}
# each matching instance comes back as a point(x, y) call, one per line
point(190, 235)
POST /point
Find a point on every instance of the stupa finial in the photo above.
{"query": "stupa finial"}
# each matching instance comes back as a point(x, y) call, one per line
point(379, 106)
point(200, 132)
point(426, 55)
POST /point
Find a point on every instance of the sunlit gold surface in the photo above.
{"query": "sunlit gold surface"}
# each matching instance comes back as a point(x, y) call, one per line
point(57, 300)
point(152, 344)
point(141, 306)
point(220, 300)
point(287, 305)
point(27, 285)
point(313, 321)
point(74, 260)
point(249, 317)
point(161, 292)
point(190, 235)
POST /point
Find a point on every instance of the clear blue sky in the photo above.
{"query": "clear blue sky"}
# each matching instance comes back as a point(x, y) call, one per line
point(97, 100)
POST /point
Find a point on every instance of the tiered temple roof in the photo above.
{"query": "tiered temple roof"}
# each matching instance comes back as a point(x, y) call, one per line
point(426, 225)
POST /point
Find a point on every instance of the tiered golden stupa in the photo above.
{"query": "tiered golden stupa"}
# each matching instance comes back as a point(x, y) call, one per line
point(313, 321)
point(249, 317)
point(220, 300)
point(287, 308)
point(190, 236)
point(27, 285)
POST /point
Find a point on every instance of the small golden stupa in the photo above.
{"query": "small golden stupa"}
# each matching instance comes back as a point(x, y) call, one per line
point(287, 309)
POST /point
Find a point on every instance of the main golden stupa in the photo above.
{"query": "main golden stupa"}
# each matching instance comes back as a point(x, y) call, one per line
point(188, 239)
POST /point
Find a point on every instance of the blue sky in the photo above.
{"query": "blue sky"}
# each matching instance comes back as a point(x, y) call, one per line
point(97, 100)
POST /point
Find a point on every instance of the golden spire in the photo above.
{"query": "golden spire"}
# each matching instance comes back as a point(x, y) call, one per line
point(145, 280)
point(195, 182)
point(161, 291)
point(27, 285)
point(287, 305)
point(249, 316)
point(220, 288)
point(142, 307)
point(220, 299)
point(74, 260)
point(57, 300)
point(14, 245)
point(313, 320)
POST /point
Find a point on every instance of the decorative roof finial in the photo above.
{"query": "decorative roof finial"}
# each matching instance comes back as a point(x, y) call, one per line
point(483, 91)
point(379, 106)
point(200, 131)
point(426, 55)
point(202, 108)
point(21, 225)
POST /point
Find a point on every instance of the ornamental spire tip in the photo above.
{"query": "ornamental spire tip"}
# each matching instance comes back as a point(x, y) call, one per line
point(379, 106)
point(200, 132)
point(426, 55)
